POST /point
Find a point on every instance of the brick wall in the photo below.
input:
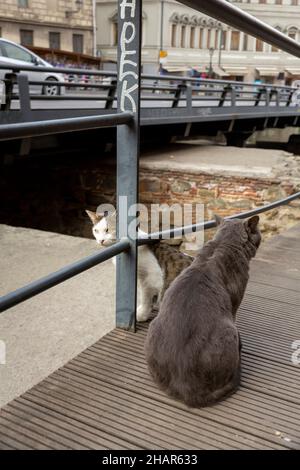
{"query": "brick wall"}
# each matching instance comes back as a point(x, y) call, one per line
point(53, 196)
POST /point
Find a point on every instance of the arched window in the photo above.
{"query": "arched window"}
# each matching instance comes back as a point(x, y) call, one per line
point(192, 37)
point(201, 38)
point(182, 36)
point(292, 33)
point(208, 39)
point(173, 35)
point(259, 45)
point(235, 41)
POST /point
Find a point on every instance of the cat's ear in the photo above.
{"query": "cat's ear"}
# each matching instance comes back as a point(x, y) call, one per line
point(218, 219)
point(252, 223)
point(93, 216)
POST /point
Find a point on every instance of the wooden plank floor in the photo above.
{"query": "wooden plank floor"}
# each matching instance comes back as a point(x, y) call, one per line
point(105, 399)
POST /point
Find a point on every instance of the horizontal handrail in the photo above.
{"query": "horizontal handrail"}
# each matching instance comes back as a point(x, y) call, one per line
point(37, 287)
point(234, 16)
point(59, 70)
point(156, 78)
point(215, 81)
point(58, 126)
point(13, 298)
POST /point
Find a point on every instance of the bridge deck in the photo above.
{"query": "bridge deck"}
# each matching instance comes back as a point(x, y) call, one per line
point(104, 398)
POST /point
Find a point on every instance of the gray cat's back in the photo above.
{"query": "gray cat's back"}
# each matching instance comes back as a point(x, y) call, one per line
point(193, 347)
point(185, 353)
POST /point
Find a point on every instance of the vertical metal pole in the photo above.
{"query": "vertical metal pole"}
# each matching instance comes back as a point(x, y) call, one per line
point(161, 42)
point(220, 45)
point(128, 143)
point(24, 95)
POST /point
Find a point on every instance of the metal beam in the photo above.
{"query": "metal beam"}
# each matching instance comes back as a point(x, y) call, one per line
point(58, 126)
point(128, 142)
point(230, 14)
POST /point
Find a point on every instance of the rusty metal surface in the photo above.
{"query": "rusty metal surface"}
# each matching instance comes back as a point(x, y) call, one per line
point(105, 399)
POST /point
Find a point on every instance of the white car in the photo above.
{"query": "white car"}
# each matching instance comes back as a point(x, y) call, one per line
point(13, 54)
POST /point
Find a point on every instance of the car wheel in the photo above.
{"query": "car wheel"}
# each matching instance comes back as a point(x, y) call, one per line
point(51, 90)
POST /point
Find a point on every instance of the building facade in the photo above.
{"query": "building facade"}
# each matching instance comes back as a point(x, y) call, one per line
point(66, 25)
point(177, 39)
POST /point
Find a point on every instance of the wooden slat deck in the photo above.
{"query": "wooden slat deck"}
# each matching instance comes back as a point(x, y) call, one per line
point(105, 399)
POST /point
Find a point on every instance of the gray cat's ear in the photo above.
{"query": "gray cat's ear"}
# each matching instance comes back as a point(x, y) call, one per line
point(252, 223)
point(218, 219)
point(93, 216)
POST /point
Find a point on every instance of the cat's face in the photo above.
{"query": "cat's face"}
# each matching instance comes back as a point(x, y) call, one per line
point(236, 230)
point(104, 227)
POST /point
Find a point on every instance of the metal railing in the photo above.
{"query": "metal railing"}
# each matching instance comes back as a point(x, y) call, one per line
point(127, 121)
point(170, 91)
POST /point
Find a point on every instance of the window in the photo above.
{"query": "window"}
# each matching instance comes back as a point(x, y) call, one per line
point(292, 33)
point(217, 38)
point(259, 45)
point(182, 39)
point(262, 1)
point(173, 35)
point(15, 52)
point(294, 2)
point(26, 37)
point(245, 42)
point(208, 38)
point(223, 39)
point(235, 40)
point(54, 40)
point(278, 2)
point(115, 33)
point(201, 38)
point(78, 43)
point(23, 3)
point(192, 37)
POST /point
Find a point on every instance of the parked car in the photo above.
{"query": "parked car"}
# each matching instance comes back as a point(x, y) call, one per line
point(13, 54)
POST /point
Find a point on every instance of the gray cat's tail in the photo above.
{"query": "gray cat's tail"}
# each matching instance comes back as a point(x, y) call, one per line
point(218, 395)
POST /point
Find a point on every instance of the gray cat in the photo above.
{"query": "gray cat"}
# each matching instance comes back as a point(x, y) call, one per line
point(193, 346)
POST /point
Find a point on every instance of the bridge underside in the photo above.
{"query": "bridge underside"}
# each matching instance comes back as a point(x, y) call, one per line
point(105, 399)
point(158, 125)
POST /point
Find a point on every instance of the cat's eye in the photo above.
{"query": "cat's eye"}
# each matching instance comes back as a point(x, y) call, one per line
point(106, 230)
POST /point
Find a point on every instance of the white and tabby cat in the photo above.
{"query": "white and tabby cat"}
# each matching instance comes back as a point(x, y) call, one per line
point(158, 264)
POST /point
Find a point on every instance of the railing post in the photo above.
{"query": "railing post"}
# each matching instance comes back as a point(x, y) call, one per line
point(128, 142)
point(277, 97)
point(188, 95)
point(233, 96)
point(180, 88)
point(289, 99)
point(111, 95)
point(267, 96)
point(258, 97)
point(226, 89)
point(24, 96)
